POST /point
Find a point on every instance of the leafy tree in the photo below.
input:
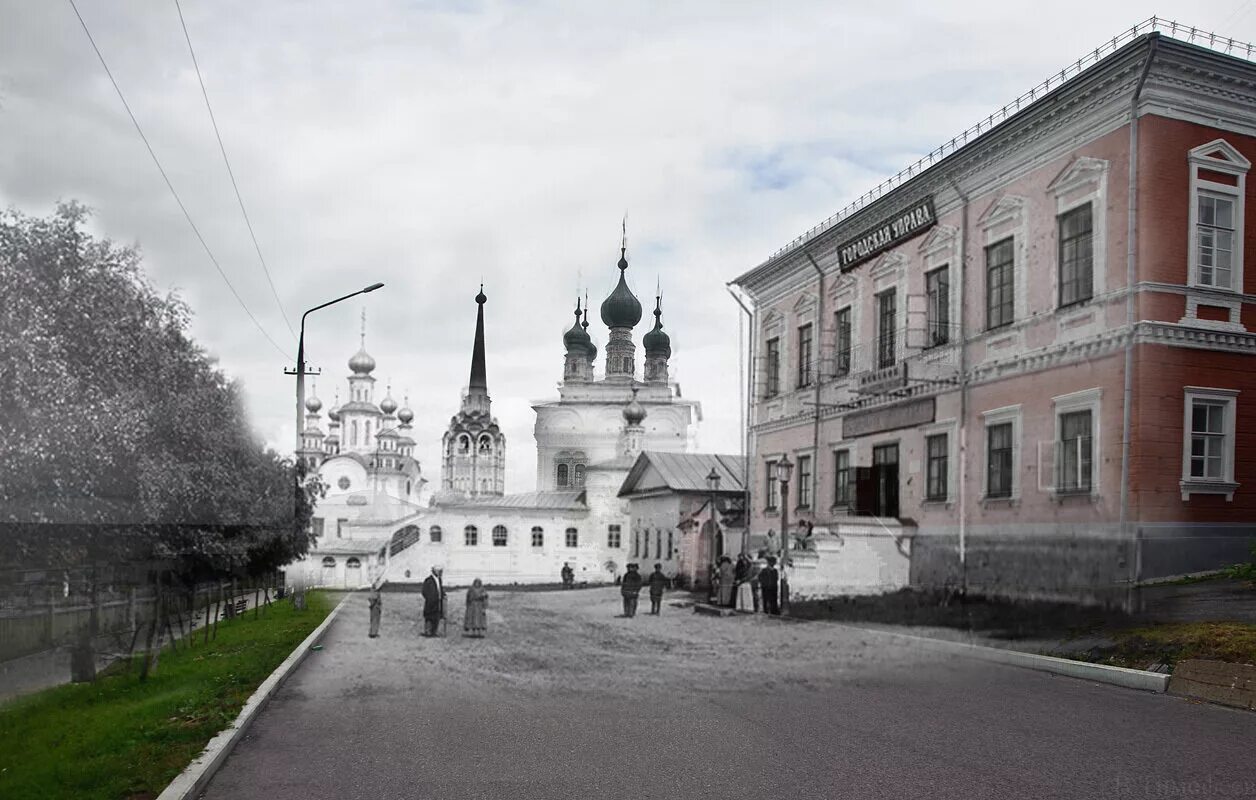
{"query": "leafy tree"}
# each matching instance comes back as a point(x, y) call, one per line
point(119, 437)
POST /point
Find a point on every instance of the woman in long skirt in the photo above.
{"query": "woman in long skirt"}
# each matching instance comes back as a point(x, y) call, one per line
point(727, 582)
point(475, 624)
point(376, 604)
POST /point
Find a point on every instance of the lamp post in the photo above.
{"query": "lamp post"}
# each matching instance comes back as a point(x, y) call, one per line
point(784, 468)
point(298, 469)
point(713, 484)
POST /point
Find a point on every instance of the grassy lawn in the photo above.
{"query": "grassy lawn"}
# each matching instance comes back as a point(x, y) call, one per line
point(1171, 642)
point(119, 738)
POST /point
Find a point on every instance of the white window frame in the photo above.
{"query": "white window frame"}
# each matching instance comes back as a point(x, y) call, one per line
point(1006, 218)
point(950, 428)
point(1191, 485)
point(1233, 164)
point(1083, 181)
point(998, 416)
point(850, 472)
point(1085, 400)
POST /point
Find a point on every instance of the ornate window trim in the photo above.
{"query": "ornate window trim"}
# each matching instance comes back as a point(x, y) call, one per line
point(1229, 162)
point(1226, 485)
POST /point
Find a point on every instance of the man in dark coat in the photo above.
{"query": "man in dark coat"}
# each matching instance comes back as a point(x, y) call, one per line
point(658, 582)
point(769, 583)
point(630, 587)
point(569, 576)
point(433, 601)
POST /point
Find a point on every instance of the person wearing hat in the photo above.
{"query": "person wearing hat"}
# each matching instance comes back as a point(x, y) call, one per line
point(658, 582)
point(376, 604)
point(630, 587)
point(433, 601)
point(769, 584)
point(475, 623)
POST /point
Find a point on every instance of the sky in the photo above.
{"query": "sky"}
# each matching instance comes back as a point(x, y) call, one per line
point(435, 145)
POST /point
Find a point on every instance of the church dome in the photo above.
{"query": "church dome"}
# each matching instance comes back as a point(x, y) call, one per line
point(334, 415)
point(313, 404)
point(634, 412)
point(362, 363)
point(405, 415)
point(621, 309)
point(388, 405)
point(577, 338)
point(657, 342)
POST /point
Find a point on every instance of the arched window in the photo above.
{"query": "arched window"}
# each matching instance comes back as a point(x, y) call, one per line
point(627, 363)
point(538, 537)
point(435, 534)
point(573, 537)
point(470, 536)
point(367, 438)
point(464, 444)
point(499, 536)
point(562, 476)
point(407, 487)
point(486, 445)
point(579, 481)
point(353, 432)
point(328, 561)
point(353, 563)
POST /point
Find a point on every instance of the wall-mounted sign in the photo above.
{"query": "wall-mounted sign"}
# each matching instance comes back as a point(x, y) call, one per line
point(888, 418)
point(902, 226)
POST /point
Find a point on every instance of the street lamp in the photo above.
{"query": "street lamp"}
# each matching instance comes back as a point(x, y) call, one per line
point(784, 468)
point(713, 484)
point(300, 371)
point(298, 596)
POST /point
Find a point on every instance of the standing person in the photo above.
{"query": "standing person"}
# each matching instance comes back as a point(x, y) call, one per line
point(745, 595)
point(769, 582)
point(756, 567)
point(376, 604)
point(714, 595)
point(475, 624)
point(727, 581)
point(771, 543)
point(629, 587)
point(569, 576)
point(658, 582)
point(433, 601)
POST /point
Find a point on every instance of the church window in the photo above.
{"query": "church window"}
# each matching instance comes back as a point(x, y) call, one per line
point(579, 475)
point(563, 471)
point(366, 439)
point(573, 537)
point(328, 561)
point(464, 444)
point(317, 527)
point(407, 487)
point(671, 549)
point(538, 537)
point(486, 445)
point(353, 432)
point(636, 543)
point(343, 483)
point(613, 536)
point(499, 536)
point(628, 364)
point(658, 544)
point(353, 563)
point(435, 534)
point(471, 536)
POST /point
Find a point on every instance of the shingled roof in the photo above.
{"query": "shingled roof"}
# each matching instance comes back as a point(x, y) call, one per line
point(684, 472)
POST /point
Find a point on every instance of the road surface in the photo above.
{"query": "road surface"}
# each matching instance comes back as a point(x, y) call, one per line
point(565, 700)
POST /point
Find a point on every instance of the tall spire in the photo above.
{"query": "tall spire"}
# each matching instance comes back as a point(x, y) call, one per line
point(479, 379)
point(362, 337)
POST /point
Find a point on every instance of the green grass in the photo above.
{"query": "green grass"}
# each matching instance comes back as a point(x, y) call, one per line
point(1172, 642)
point(120, 738)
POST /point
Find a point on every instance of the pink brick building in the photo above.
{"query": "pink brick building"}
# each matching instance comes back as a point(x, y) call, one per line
point(1026, 366)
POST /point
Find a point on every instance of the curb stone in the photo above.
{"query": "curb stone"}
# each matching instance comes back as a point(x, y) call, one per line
point(196, 776)
point(1100, 673)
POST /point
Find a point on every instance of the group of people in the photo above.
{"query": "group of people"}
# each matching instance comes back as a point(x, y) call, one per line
point(631, 584)
point(475, 619)
point(748, 585)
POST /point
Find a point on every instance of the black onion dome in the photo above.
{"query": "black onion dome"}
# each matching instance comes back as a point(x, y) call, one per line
point(656, 341)
point(621, 309)
point(577, 338)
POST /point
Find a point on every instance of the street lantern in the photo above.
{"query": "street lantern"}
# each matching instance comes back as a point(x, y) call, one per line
point(784, 468)
point(713, 480)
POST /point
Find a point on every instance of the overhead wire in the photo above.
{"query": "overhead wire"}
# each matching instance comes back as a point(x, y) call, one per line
point(170, 185)
point(231, 173)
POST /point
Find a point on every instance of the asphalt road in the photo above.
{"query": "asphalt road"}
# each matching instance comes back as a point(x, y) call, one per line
point(564, 700)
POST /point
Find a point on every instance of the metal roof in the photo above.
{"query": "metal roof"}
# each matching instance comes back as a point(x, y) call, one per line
point(534, 501)
point(687, 472)
point(348, 546)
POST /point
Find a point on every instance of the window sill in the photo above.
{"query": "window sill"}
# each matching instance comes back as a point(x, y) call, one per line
point(1000, 502)
point(937, 504)
point(1190, 487)
point(1077, 496)
point(1221, 290)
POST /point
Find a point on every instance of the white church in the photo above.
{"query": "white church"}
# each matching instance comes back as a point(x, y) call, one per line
point(380, 518)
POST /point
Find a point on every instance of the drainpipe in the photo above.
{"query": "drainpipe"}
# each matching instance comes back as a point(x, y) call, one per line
point(748, 355)
point(1131, 261)
point(815, 432)
point(963, 387)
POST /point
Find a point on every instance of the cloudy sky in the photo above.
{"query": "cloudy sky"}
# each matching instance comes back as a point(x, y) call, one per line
point(430, 145)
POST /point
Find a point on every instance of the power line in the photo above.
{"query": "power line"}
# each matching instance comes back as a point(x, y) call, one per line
point(170, 185)
point(230, 172)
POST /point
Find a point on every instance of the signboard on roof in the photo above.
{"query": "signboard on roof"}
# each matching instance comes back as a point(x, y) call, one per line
point(909, 222)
